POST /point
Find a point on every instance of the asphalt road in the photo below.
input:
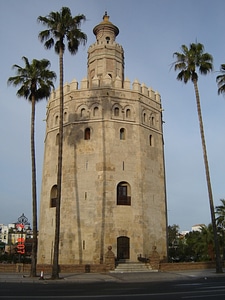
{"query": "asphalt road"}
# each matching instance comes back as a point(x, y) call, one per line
point(196, 288)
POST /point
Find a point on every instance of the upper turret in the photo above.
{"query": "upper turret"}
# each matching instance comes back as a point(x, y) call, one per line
point(105, 57)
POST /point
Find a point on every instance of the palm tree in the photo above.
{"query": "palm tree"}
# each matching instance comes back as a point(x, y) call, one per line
point(220, 220)
point(193, 247)
point(220, 79)
point(220, 211)
point(61, 25)
point(206, 241)
point(35, 81)
point(187, 63)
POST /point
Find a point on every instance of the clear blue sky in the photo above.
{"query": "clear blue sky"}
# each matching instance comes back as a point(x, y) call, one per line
point(150, 31)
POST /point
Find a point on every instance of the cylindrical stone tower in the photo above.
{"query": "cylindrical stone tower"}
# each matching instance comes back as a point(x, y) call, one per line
point(113, 182)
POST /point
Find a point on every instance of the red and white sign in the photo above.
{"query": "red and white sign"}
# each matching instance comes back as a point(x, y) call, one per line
point(21, 241)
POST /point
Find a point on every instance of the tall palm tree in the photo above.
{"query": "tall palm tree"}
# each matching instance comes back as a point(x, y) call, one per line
point(35, 81)
point(220, 79)
point(61, 25)
point(187, 63)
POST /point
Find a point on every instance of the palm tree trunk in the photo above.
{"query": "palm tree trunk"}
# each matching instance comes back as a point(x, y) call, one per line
point(55, 267)
point(34, 193)
point(216, 241)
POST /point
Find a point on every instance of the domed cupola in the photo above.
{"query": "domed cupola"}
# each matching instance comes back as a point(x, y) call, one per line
point(105, 57)
point(106, 31)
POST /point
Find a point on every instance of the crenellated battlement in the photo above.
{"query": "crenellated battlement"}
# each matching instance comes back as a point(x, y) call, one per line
point(136, 86)
point(101, 43)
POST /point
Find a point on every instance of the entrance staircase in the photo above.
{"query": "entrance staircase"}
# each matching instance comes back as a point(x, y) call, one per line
point(134, 267)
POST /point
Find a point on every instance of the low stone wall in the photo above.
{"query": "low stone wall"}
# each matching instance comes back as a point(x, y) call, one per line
point(102, 268)
point(88, 268)
point(14, 268)
point(25, 268)
point(186, 266)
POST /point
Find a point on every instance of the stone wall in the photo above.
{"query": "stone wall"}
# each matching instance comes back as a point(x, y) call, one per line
point(25, 268)
point(99, 268)
point(186, 266)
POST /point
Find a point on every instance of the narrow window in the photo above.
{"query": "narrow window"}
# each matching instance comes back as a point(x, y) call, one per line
point(150, 140)
point(144, 117)
point(82, 112)
point(122, 133)
point(57, 139)
point(56, 120)
point(128, 113)
point(107, 39)
point(65, 116)
point(53, 196)
point(87, 133)
point(123, 194)
point(116, 111)
point(152, 121)
point(95, 111)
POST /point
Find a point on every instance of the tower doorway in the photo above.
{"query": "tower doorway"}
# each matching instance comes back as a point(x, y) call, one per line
point(123, 247)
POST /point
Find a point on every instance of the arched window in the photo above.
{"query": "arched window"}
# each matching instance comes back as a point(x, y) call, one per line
point(123, 193)
point(95, 111)
point(87, 133)
point(82, 112)
point(152, 120)
point(144, 117)
point(128, 113)
point(116, 111)
point(53, 196)
point(122, 134)
point(56, 120)
point(57, 139)
point(65, 116)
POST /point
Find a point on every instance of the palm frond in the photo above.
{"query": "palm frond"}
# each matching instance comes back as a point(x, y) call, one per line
point(60, 25)
point(220, 79)
point(190, 59)
point(34, 76)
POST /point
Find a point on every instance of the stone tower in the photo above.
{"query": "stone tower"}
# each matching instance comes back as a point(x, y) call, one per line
point(113, 183)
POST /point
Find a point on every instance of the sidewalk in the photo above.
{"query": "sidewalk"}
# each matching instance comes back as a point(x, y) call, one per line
point(112, 277)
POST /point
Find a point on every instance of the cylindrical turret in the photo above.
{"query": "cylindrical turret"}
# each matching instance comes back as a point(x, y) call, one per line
point(105, 57)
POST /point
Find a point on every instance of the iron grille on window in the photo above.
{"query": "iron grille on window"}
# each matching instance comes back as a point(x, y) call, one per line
point(53, 202)
point(123, 200)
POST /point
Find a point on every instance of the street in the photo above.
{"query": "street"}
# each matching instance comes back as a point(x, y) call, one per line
point(201, 288)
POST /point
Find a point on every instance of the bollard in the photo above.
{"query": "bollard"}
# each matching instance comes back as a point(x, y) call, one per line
point(42, 276)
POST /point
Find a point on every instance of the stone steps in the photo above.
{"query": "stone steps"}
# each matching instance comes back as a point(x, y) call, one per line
point(134, 267)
